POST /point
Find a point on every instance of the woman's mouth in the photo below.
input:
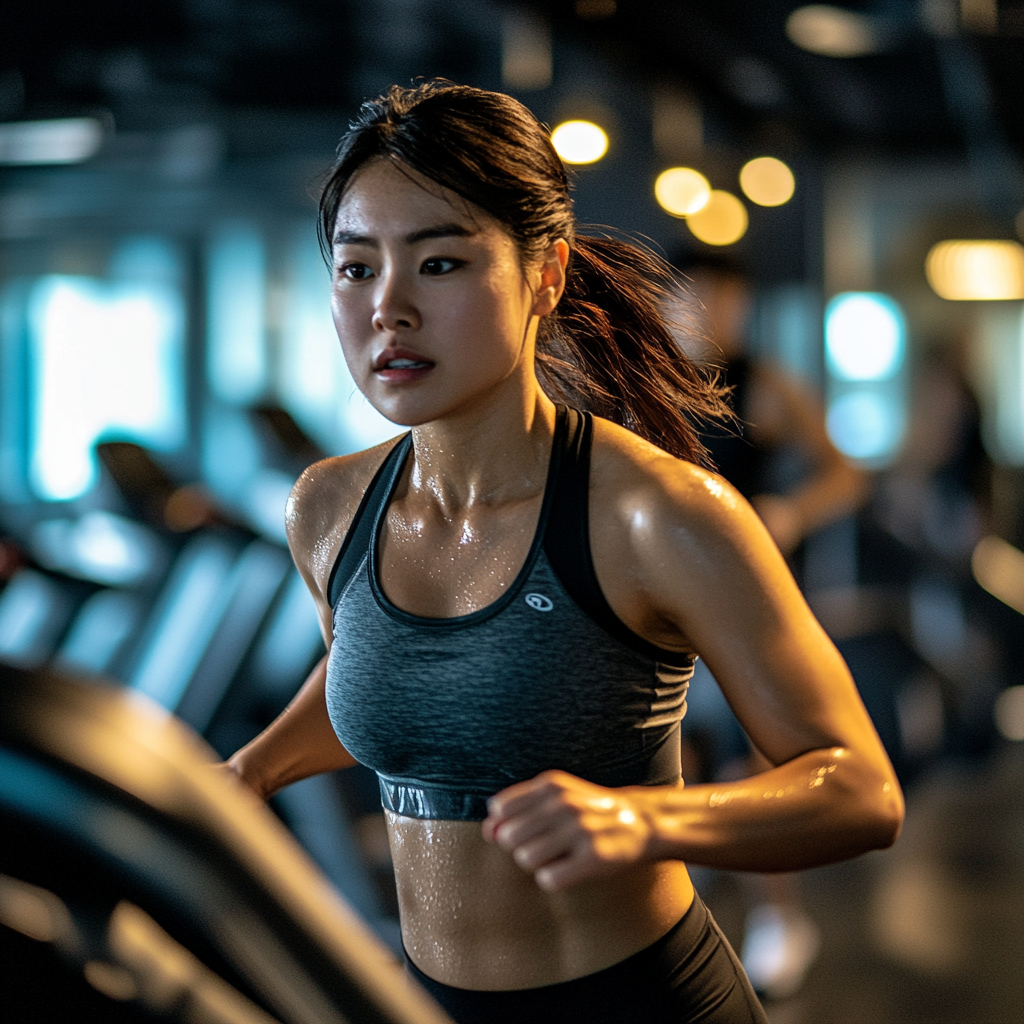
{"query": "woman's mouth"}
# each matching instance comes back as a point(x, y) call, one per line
point(404, 364)
point(399, 367)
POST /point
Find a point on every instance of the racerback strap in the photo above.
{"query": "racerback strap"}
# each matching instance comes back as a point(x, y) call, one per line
point(360, 533)
point(567, 542)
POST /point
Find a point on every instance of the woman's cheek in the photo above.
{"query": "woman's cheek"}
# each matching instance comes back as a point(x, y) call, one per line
point(347, 327)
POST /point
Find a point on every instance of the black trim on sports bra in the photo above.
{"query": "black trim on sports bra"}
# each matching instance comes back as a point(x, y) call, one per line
point(360, 530)
point(567, 545)
point(510, 592)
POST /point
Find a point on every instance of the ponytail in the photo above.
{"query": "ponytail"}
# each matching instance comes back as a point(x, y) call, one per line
point(609, 348)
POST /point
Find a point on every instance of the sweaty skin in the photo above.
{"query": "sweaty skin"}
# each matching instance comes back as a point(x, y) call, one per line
point(563, 878)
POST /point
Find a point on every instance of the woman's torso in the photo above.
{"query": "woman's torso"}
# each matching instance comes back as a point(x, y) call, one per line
point(470, 916)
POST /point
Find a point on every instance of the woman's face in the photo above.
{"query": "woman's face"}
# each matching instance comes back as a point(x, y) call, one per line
point(430, 301)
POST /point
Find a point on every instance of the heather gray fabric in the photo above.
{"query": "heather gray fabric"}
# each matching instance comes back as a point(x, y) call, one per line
point(450, 711)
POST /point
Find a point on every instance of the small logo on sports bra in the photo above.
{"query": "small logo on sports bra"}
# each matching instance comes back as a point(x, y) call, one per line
point(539, 603)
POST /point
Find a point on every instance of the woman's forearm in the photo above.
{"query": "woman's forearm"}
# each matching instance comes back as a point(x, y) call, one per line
point(823, 806)
point(299, 743)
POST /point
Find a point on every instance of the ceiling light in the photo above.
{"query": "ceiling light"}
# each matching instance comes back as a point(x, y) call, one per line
point(722, 221)
point(976, 270)
point(525, 50)
point(767, 181)
point(832, 31)
point(580, 142)
point(682, 191)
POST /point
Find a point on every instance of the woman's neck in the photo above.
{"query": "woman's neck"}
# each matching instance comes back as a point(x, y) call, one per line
point(493, 452)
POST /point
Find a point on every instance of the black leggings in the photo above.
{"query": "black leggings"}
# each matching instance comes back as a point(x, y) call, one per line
point(689, 975)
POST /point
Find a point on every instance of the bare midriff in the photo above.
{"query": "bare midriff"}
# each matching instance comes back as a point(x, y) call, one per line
point(473, 919)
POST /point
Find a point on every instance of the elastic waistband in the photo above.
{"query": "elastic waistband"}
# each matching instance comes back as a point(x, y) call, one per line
point(413, 798)
point(438, 803)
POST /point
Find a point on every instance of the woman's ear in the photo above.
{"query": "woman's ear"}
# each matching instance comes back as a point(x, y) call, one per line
point(552, 278)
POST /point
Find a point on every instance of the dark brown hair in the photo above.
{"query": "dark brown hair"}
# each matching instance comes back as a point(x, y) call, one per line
point(608, 347)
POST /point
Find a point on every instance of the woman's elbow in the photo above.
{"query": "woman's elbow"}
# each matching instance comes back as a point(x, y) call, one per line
point(881, 812)
point(867, 798)
point(890, 813)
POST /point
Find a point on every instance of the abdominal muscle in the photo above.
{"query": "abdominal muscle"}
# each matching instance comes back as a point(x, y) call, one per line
point(473, 919)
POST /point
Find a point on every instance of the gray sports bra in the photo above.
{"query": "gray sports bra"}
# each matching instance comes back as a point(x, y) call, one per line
point(450, 711)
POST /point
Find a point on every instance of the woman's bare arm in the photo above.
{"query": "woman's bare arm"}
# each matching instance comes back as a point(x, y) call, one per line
point(690, 565)
point(300, 742)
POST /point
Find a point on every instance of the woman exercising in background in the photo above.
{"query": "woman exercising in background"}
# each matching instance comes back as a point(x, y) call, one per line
point(514, 592)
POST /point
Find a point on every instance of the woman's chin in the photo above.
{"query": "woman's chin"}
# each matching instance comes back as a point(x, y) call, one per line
point(417, 410)
point(410, 414)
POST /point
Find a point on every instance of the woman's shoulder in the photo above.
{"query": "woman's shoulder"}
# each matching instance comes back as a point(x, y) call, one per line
point(678, 537)
point(322, 505)
point(627, 468)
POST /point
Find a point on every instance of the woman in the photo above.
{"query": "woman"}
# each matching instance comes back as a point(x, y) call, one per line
point(514, 593)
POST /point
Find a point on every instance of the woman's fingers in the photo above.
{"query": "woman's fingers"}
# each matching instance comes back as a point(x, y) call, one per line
point(546, 847)
point(566, 830)
point(520, 800)
point(550, 816)
point(586, 857)
point(523, 796)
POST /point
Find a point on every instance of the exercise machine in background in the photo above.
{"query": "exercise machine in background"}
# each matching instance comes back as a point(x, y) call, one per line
point(138, 883)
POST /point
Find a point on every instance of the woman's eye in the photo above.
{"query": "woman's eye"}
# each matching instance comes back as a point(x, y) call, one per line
point(355, 271)
point(439, 265)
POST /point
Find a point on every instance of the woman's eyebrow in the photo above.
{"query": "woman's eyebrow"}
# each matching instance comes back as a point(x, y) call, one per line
point(437, 231)
point(351, 238)
point(440, 231)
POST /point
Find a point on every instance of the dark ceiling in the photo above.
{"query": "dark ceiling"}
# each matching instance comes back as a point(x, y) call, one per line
point(737, 54)
point(147, 59)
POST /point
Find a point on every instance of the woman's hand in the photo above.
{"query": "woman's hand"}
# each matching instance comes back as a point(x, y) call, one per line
point(566, 830)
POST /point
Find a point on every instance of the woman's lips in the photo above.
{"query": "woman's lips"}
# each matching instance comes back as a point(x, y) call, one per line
point(401, 366)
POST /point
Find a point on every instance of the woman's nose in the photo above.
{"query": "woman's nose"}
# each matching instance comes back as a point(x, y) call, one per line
point(394, 309)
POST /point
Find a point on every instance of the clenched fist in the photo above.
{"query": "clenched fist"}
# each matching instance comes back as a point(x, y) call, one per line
point(566, 830)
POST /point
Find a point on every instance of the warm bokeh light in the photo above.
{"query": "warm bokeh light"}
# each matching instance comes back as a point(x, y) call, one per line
point(595, 10)
point(682, 191)
point(831, 31)
point(580, 142)
point(722, 221)
point(1009, 713)
point(964, 270)
point(767, 181)
point(999, 568)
